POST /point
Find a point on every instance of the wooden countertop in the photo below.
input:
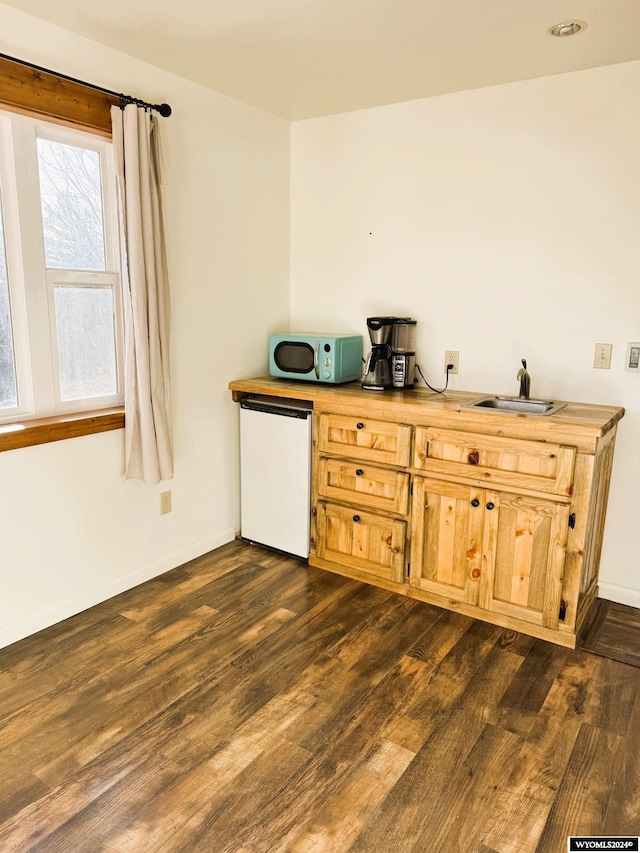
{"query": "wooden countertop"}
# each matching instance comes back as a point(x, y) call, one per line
point(578, 424)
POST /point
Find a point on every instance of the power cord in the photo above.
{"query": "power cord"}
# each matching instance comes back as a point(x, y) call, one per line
point(435, 390)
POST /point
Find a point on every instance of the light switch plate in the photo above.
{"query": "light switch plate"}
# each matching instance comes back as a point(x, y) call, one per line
point(602, 356)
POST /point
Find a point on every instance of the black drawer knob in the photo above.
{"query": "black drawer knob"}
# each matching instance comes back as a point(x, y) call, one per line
point(359, 472)
point(475, 502)
point(490, 505)
point(356, 518)
point(359, 425)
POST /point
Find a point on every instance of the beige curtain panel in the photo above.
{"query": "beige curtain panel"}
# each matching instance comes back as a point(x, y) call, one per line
point(148, 415)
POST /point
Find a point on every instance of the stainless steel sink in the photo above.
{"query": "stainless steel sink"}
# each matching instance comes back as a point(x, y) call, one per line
point(519, 405)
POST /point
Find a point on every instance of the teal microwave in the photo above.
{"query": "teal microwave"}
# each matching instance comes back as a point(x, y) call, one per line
point(316, 357)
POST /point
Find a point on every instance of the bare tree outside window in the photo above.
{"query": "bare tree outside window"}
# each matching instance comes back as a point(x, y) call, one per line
point(73, 226)
point(8, 387)
point(72, 213)
point(86, 341)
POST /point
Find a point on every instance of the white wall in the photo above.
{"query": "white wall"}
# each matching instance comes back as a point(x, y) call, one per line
point(506, 221)
point(72, 530)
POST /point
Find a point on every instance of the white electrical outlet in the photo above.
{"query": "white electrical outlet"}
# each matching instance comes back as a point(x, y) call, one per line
point(165, 502)
point(451, 356)
point(602, 356)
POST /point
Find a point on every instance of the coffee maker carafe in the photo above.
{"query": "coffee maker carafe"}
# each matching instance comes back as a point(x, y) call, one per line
point(377, 373)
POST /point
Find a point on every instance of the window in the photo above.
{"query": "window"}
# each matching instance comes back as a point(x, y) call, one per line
point(60, 304)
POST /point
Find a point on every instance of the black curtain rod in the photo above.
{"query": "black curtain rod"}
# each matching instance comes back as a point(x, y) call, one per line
point(163, 109)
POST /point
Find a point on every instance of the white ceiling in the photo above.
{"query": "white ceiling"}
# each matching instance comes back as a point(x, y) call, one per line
point(305, 58)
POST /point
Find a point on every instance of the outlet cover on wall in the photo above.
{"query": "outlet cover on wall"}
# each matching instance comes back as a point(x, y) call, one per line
point(451, 356)
point(165, 502)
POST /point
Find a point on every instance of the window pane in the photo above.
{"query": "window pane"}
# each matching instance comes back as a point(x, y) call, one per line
point(8, 387)
point(86, 341)
point(71, 198)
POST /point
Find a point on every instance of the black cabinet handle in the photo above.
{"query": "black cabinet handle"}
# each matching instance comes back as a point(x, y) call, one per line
point(359, 425)
point(356, 518)
point(490, 505)
point(475, 502)
point(359, 472)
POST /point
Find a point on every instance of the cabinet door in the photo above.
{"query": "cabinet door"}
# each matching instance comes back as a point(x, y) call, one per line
point(363, 484)
point(365, 439)
point(361, 540)
point(524, 545)
point(447, 537)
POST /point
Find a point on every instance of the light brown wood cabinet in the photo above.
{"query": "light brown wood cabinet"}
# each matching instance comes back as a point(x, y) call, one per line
point(498, 516)
point(363, 483)
point(365, 439)
point(365, 541)
point(532, 465)
point(501, 551)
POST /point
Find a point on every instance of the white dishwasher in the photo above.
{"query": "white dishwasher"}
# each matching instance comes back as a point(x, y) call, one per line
point(275, 473)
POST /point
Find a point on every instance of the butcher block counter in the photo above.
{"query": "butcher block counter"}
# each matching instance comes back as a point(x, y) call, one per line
point(497, 515)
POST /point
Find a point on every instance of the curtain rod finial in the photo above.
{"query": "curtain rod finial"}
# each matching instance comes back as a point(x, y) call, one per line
point(164, 110)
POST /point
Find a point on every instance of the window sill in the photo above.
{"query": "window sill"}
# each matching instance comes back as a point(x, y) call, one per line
point(44, 430)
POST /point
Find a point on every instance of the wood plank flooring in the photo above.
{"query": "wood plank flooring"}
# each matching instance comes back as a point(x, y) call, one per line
point(246, 703)
point(615, 632)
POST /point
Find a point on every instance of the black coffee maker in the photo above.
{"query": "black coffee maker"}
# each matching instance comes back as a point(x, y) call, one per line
point(377, 373)
point(391, 362)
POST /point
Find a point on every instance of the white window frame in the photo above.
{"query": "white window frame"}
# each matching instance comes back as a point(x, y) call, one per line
point(31, 284)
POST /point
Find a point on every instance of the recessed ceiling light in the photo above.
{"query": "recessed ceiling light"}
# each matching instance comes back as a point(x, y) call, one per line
point(567, 28)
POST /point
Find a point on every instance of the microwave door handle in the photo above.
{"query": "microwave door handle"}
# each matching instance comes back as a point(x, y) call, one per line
point(315, 359)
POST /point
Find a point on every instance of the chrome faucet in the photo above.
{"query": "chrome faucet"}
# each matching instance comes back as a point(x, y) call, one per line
point(525, 380)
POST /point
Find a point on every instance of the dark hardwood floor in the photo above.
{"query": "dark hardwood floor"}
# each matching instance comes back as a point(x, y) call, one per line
point(244, 702)
point(615, 632)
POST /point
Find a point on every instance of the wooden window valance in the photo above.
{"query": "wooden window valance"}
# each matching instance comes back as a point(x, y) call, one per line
point(46, 94)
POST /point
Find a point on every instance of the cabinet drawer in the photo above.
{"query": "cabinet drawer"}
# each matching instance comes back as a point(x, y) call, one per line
point(362, 540)
point(363, 484)
point(366, 439)
point(510, 462)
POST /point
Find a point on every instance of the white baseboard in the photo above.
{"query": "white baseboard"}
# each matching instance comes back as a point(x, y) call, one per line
point(64, 609)
point(619, 594)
